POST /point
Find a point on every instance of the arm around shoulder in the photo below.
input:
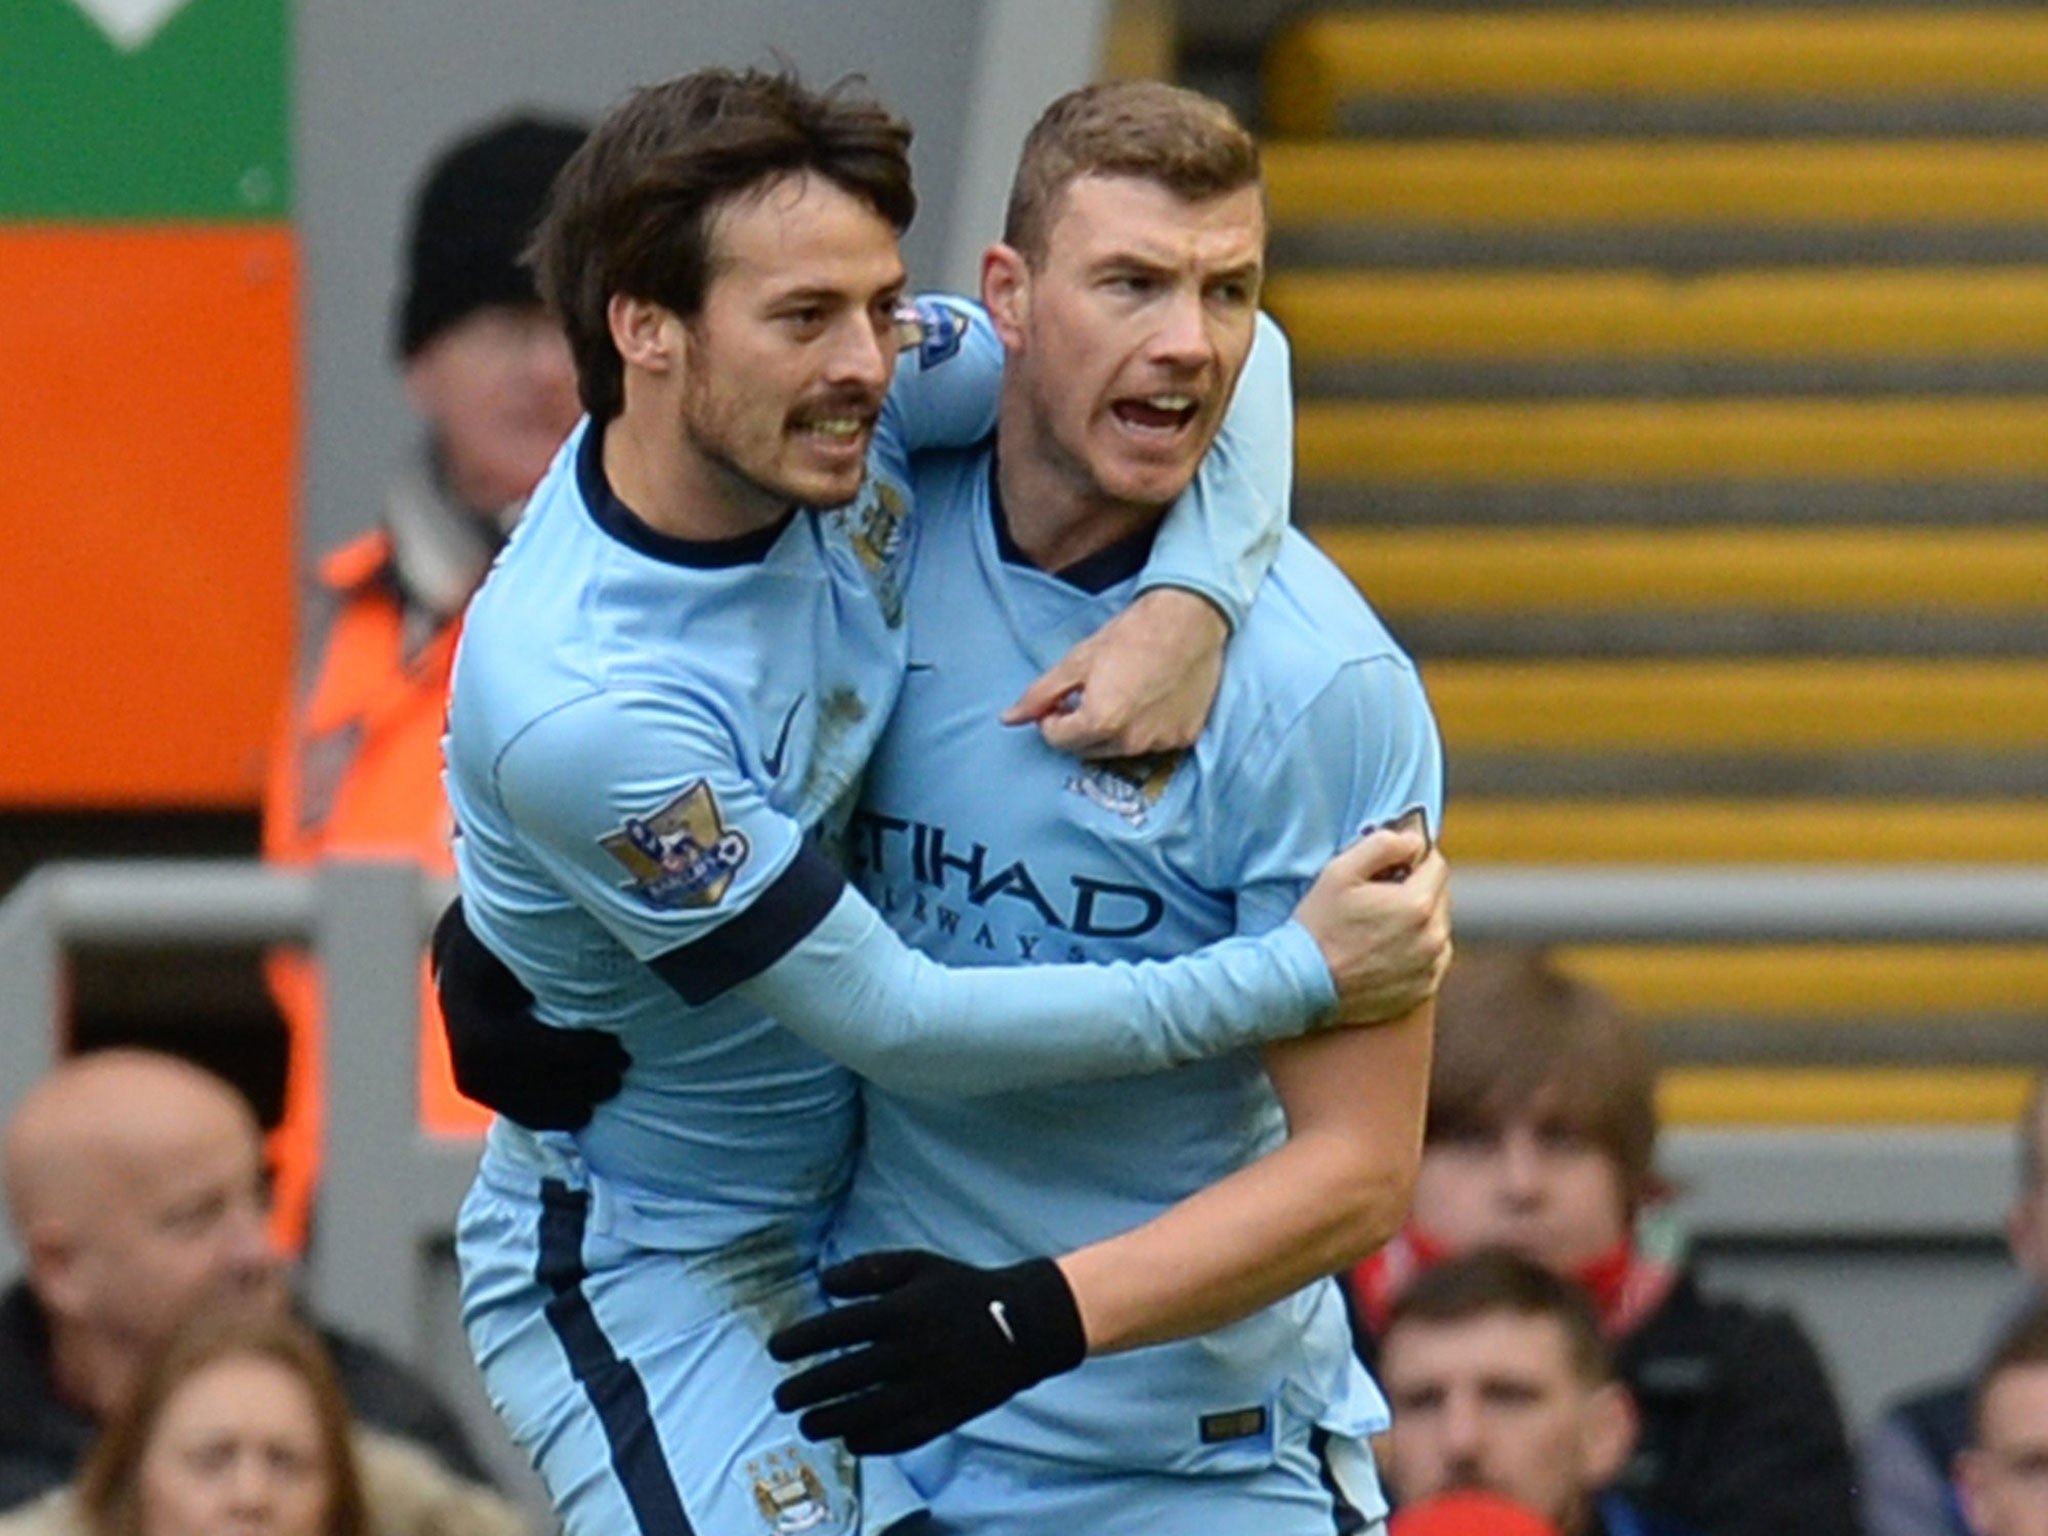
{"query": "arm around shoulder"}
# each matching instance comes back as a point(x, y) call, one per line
point(857, 992)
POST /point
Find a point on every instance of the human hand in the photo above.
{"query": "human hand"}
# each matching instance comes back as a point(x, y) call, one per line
point(503, 1056)
point(1142, 683)
point(928, 1344)
point(1381, 913)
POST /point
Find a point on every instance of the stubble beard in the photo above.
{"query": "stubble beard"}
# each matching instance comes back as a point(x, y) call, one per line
point(757, 499)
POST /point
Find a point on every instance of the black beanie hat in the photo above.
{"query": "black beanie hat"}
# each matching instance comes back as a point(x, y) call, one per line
point(471, 220)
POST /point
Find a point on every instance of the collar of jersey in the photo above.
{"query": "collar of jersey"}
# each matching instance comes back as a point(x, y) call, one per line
point(1095, 573)
point(626, 525)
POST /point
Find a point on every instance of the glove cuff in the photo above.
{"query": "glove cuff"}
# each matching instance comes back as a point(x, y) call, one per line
point(1050, 1316)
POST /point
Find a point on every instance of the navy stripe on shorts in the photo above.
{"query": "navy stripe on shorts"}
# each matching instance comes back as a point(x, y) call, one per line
point(1347, 1519)
point(612, 1385)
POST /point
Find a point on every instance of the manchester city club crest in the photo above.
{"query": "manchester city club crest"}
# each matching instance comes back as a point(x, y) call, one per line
point(878, 525)
point(683, 855)
point(873, 524)
point(1127, 786)
point(788, 1492)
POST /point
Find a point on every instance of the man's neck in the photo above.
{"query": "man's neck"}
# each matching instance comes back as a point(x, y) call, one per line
point(90, 1372)
point(673, 487)
point(1054, 516)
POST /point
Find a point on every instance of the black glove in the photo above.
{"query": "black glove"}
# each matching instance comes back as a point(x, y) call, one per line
point(940, 1342)
point(545, 1078)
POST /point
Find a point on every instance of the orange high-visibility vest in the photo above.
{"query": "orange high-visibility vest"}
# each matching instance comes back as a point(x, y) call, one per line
point(357, 771)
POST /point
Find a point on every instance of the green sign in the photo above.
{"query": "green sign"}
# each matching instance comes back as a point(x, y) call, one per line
point(144, 110)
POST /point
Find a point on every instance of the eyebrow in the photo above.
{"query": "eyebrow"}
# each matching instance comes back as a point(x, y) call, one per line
point(826, 294)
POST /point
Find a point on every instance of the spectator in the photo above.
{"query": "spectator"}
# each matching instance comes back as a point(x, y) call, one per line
point(239, 1425)
point(1541, 1138)
point(358, 767)
point(135, 1185)
point(1501, 1383)
point(2003, 1474)
point(1907, 1457)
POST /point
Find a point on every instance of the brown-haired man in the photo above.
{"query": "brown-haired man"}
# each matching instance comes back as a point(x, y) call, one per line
point(671, 678)
point(1541, 1138)
point(1500, 1381)
point(2003, 1475)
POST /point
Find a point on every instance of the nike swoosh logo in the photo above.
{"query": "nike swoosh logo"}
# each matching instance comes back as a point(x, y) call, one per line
point(997, 1311)
point(773, 760)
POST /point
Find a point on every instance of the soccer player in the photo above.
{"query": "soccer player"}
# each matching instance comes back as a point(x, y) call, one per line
point(1126, 294)
point(671, 679)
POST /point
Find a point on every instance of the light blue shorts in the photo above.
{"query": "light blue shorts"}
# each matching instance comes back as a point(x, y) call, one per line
point(1318, 1485)
point(637, 1380)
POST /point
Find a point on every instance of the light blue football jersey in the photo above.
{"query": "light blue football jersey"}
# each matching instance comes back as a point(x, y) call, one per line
point(984, 847)
point(643, 731)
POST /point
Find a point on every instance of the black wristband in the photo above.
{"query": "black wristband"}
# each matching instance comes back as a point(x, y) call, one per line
point(1052, 1317)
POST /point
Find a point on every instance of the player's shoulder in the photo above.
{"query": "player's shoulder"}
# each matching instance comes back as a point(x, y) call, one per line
point(572, 744)
point(1309, 621)
point(957, 472)
point(1311, 651)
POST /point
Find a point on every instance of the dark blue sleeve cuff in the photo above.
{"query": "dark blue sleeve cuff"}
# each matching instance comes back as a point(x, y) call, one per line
point(778, 920)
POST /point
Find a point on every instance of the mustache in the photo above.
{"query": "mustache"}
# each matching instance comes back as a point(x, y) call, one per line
point(864, 403)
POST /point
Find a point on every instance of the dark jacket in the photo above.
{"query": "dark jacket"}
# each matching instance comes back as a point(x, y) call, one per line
point(1906, 1462)
point(43, 1440)
point(1615, 1516)
point(1741, 1433)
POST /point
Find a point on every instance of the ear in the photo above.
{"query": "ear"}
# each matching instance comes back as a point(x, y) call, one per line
point(56, 1269)
point(1006, 293)
point(647, 334)
point(1609, 1436)
point(420, 377)
point(2020, 1221)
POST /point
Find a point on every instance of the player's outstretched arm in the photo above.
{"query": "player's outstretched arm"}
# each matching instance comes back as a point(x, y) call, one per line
point(856, 991)
point(1144, 681)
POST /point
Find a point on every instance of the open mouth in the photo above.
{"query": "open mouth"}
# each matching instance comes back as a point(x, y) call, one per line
point(1163, 414)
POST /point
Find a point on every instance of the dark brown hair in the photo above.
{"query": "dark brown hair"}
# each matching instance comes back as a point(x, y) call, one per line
point(1187, 142)
point(1515, 1034)
point(634, 210)
point(109, 1484)
point(1490, 1281)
